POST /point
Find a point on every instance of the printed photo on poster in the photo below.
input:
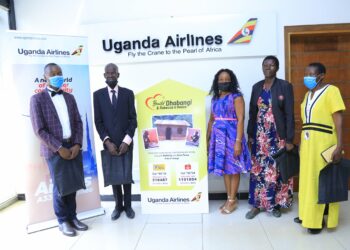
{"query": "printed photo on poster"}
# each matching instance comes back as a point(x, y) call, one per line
point(172, 127)
point(193, 137)
point(150, 138)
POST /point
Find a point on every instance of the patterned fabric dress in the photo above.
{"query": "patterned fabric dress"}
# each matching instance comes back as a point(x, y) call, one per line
point(266, 190)
point(221, 158)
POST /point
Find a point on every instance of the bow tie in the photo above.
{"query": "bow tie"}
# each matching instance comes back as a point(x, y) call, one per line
point(53, 93)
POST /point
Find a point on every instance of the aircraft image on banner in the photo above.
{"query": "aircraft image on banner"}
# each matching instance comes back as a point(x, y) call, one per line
point(245, 34)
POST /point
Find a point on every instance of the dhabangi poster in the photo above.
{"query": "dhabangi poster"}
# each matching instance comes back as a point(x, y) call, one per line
point(173, 162)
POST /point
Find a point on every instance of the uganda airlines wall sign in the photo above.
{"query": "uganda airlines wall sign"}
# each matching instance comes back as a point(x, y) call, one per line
point(183, 38)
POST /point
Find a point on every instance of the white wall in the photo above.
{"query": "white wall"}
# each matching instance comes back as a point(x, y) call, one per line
point(67, 16)
point(8, 164)
point(3, 27)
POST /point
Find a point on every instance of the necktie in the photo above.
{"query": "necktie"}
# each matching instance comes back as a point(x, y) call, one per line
point(114, 99)
point(53, 93)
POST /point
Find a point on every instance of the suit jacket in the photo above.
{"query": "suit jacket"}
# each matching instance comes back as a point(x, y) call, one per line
point(46, 123)
point(282, 108)
point(115, 123)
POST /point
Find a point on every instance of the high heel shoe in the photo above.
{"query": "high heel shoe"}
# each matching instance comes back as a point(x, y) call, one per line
point(223, 205)
point(230, 206)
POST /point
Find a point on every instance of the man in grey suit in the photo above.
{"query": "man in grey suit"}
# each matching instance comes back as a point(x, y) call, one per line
point(115, 121)
point(56, 122)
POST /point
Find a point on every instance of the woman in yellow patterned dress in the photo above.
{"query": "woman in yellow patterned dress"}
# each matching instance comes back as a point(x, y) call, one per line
point(321, 113)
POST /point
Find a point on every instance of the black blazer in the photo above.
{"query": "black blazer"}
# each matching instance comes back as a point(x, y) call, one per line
point(115, 123)
point(282, 108)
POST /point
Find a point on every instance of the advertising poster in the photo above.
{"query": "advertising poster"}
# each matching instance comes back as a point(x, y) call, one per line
point(29, 54)
point(172, 149)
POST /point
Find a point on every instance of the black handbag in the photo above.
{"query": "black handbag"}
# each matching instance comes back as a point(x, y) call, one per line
point(68, 174)
point(117, 170)
point(287, 162)
point(333, 182)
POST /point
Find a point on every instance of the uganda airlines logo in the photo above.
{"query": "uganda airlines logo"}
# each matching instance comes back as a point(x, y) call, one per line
point(197, 197)
point(245, 34)
point(78, 51)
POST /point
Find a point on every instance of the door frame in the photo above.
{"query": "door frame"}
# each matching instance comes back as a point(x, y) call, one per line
point(302, 30)
point(289, 31)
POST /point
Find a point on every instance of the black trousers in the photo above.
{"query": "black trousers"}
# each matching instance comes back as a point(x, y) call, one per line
point(64, 206)
point(119, 197)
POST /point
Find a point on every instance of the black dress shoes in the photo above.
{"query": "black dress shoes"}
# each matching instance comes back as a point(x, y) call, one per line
point(78, 225)
point(116, 214)
point(67, 229)
point(276, 212)
point(314, 230)
point(130, 213)
point(297, 220)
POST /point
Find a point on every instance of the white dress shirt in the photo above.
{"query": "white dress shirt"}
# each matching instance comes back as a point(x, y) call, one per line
point(111, 94)
point(61, 107)
point(127, 138)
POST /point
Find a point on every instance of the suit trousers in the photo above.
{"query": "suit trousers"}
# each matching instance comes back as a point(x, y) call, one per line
point(118, 196)
point(64, 206)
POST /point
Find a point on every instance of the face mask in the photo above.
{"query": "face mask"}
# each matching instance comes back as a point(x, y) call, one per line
point(112, 83)
point(224, 86)
point(56, 81)
point(310, 82)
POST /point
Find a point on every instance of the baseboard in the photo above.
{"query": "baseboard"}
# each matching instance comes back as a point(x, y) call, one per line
point(137, 197)
point(223, 196)
point(109, 197)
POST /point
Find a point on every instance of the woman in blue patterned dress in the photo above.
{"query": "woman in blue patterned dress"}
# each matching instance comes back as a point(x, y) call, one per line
point(270, 128)
point(228, 153)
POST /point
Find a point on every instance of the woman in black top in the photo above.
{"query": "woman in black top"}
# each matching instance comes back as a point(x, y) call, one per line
point(270, 128)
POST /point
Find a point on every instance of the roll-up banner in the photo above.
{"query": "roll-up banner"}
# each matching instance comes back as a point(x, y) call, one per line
point(28, 54)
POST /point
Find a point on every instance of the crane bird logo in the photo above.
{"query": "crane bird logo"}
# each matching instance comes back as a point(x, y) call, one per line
point(78, 51)
point(197, 197)
point(245, 34)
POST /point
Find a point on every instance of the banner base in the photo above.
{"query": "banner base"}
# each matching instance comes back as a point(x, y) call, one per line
point(32, 228)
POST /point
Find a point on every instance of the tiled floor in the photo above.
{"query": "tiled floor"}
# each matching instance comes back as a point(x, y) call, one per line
point(208, 231)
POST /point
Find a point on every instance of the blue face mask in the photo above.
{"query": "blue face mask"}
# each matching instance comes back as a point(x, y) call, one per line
point(56, 81)
point(310, 82)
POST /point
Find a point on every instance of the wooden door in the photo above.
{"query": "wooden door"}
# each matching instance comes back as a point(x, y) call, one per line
point(330, 45)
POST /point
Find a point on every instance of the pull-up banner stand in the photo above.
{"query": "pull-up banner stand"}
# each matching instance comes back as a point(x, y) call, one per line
point(29, 53)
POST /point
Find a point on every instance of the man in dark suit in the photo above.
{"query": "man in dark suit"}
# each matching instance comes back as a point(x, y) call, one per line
point(56, 122)
point(115, 121)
